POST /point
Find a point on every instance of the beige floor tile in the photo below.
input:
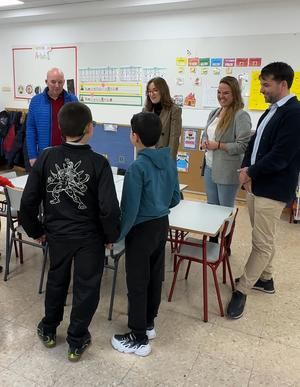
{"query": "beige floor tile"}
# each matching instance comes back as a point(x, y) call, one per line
point(281, 361)
point(282, 329)
point(31, 316)
point(135, 379)
point(210, 371)
point(258, 379)
point(165, 373)
point(230, 345)
point(178, 339)
point(286, 304)
point(252, 322)
point(10, 379)
point(11, 337)
point(43, 366)
point(109, 366)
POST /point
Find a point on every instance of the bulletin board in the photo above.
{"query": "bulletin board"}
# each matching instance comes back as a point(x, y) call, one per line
point(113, 142)
point(192, 177)
point(30, 66)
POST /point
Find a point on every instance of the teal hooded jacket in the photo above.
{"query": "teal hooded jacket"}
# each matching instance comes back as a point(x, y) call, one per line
point(150, 188)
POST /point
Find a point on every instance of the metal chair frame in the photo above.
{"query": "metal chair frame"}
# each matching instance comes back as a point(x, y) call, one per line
point(13, 198)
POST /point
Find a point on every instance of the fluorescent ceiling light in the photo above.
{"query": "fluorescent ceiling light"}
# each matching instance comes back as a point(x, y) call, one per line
point(7, 3)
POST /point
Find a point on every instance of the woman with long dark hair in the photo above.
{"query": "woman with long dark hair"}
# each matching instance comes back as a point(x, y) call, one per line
point(159, 101)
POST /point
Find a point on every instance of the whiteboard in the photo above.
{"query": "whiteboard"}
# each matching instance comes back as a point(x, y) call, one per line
point(163, 54)
point(30, 66)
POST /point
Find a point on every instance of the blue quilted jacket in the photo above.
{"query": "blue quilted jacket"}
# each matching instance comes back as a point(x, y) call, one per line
point(38, 125)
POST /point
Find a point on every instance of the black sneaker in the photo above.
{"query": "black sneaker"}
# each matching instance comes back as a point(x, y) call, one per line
point(266, 286)
point(48, 339)
point(1, 269)
point(74, 353)
point(128, 343)
point(236, 305)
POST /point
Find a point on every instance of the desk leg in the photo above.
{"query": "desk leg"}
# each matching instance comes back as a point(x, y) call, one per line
point(205, 296)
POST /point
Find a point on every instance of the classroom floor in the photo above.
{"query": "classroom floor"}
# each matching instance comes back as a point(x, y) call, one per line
point(260, 349)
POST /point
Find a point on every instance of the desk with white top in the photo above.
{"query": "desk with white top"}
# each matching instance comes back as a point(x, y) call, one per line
point(20, 182)
point(198, 217)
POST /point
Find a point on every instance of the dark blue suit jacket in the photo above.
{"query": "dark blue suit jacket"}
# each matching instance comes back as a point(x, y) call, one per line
point(275, 171)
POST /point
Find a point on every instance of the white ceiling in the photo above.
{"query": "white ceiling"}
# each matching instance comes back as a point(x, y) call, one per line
point(38, 10)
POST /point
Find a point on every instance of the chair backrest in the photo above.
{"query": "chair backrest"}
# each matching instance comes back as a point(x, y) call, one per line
point(9, 175)
point(13, 198)
point(230, 222)
point(227, 230)
point(114, 170)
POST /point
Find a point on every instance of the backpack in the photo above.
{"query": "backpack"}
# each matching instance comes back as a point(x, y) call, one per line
point(4, 123)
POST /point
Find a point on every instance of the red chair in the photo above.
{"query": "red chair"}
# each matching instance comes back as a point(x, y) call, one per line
point(210, 255)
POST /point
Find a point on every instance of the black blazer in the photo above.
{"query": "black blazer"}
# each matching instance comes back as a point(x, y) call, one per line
point(275, 171)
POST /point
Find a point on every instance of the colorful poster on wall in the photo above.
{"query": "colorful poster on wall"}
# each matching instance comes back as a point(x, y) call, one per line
point(181, 61)
point(183, 161)
point(241, 62)
point(216, 62)
point(204, 62)
point(190, 139)
point(111, 93)
point(190, 100)
point(192, 62)
point(295, 89)
point(228, 62)
point(254, 62)
point(256, 99)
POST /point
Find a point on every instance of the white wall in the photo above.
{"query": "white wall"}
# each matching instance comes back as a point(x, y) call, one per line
point(230, 21)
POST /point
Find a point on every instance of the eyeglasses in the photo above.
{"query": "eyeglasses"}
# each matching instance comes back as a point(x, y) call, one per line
point(149, 92)
point(94, 123)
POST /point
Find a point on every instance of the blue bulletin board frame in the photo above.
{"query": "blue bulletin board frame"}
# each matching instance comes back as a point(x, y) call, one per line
point(114, 145)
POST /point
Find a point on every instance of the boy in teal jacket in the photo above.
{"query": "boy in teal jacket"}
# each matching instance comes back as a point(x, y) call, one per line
point(150, 189)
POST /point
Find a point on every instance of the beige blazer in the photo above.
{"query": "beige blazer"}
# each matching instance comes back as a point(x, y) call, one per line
point(171, 128)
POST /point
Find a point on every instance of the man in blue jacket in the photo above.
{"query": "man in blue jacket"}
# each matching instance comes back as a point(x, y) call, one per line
point(42, 126)
point(269, 174)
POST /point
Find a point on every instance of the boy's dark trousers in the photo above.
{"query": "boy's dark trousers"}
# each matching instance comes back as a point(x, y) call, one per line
point(145, 248)
point(88, 255)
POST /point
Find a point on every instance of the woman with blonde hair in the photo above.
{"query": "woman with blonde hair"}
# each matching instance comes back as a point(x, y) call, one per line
point(224, 140)
point(159, 101)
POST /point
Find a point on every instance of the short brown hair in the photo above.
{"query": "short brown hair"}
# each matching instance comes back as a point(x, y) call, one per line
point(73, 118)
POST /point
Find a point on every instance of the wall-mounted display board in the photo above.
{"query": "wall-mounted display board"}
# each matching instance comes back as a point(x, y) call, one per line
point(189, 151)
point(192, 67)
point(30, 66)
point(256, 99)
point(114, 85)
point(113, 142)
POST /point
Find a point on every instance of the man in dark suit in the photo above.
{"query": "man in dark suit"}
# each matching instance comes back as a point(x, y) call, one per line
point(269, 174)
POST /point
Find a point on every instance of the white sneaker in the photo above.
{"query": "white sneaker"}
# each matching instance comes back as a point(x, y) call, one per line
point(151, 333)
point(128, 343)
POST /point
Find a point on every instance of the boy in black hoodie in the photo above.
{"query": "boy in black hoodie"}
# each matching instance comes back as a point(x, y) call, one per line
point(81, 215)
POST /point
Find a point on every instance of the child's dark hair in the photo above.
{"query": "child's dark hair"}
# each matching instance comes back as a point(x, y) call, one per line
point(73, 118)
point(148, 126)
point(280, 71)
